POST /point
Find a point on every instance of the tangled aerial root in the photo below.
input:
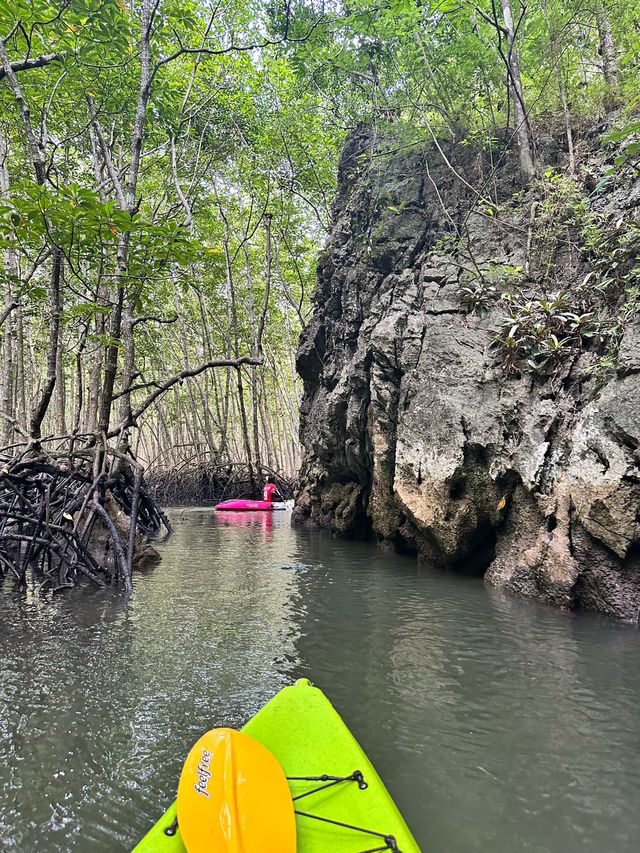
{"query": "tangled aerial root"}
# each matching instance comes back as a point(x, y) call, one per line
point(72, 514)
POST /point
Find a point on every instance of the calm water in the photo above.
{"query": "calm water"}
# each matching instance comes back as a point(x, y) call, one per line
point(500, 726)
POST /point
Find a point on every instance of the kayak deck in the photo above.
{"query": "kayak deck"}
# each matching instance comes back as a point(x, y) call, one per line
point(245, 506)
point(307, 736)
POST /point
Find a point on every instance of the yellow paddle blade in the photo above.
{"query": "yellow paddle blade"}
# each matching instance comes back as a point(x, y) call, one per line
point(233, 797)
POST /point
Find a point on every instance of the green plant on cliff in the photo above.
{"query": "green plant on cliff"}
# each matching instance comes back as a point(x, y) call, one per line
point(481, 289)
point(538, 334)
point(562, 226)
point(627, 138)
point(577, 291)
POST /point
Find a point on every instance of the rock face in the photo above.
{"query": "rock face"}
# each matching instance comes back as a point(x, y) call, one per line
point(413, 431)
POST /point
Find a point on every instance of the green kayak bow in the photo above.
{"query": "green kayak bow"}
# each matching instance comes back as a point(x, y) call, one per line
point(341, 804)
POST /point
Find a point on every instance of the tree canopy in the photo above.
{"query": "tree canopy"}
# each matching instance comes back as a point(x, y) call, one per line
point(166, 178)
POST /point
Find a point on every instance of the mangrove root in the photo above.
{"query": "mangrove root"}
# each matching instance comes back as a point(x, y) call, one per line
point(72, 514)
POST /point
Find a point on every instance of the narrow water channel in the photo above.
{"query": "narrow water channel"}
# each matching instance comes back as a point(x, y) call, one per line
point(499, 725)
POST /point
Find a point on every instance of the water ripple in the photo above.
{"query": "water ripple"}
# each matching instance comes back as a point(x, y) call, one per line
point(499, 725)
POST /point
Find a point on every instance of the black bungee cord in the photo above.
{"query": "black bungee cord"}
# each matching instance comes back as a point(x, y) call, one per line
point(390, 842)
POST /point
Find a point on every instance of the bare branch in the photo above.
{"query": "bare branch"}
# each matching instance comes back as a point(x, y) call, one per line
point(16, 426)
point(9, 308)
point(232, 48)
point(106, 155)
point(179, 377)
point(150, 318)
point(492, 21)
point(35, 62)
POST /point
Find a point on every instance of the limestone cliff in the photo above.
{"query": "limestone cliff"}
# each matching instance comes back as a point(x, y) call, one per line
point(421, 427)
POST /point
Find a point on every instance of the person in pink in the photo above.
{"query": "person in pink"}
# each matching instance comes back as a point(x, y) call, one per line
point(268, 492)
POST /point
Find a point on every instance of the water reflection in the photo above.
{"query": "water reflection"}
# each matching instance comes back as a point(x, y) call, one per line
point(499, 724)
point(262, 519)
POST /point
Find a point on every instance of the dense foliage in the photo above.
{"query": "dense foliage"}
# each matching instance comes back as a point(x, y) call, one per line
point(166, 175)
point(161, 206)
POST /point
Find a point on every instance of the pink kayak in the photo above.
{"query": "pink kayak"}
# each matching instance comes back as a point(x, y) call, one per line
point(247, 506)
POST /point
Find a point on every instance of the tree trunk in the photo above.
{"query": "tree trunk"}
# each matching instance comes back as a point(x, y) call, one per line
point(128, 366)
point(254, 352)
point(40, 409)
point(21, 380)
point(10, 266)
point(79, 396)
point(556, 61)
point(567, 120)
point(122, 258)
point(6, 372)
point(93, 392)
point(60, 389)
point(236, 348)
point(607, 48)
point(522, 127)
point(36, 150)
point(33, 143)
point(111, 351)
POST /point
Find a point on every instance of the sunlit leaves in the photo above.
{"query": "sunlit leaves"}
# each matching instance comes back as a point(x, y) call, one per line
point(65, 217)
point(83, 29)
